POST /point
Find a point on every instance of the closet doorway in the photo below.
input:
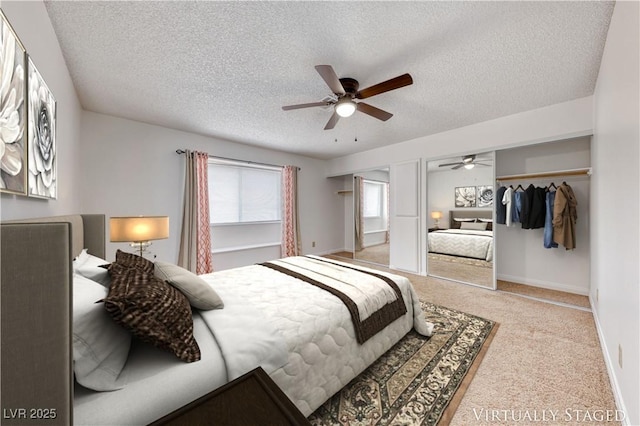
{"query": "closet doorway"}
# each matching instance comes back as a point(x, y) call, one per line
point(525, 265)
point(371, 216)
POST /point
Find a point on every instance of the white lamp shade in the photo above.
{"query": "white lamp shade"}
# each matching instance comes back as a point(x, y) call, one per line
point(436, 215)
point(345, 107)
point(138, 228)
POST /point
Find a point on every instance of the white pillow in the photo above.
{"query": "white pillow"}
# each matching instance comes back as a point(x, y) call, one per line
point(480, 226)
point(89, 266)
point(481, 219)
point(200, 294)
point(100, 346)
point(464, 219)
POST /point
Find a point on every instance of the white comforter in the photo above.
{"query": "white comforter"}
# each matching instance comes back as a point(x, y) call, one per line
point(323, 354)
point(462, 242)
point(301, 335)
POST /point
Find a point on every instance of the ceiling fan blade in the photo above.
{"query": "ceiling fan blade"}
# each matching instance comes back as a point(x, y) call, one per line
point(385, 86)
point(458, 166)
point(329, 76)
point(332, 121)
point(482, 164)
point(312, 104)
point(374, 112)
point(451, 164)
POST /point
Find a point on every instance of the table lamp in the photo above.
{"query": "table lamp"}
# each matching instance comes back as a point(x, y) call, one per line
point(139, 230)
point(437, 216)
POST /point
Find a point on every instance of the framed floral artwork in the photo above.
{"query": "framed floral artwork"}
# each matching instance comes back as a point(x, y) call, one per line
point(485, 196)
point(13, 111)
point(43, 180)
point(465, 196)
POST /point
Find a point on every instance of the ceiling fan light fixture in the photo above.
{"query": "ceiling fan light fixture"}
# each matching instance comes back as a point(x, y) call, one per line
point(469, 166)
point(345, 107)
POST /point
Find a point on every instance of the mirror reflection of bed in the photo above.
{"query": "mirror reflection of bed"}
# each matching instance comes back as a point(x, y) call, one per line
point(371, 214)
point(464, 250)
point(460, 231)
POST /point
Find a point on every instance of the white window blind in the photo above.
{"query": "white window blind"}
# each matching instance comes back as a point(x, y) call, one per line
point(243, 194)
point(373, 199)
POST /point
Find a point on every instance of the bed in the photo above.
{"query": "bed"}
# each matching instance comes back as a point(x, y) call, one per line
point(310, 351)
point(470, 234)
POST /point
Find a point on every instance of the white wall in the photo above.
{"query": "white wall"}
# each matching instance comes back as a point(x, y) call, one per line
point(31, 22)
point(615, 210)
point(552, 123)
point(441, 186)
point(131, 168)
point(520, 254)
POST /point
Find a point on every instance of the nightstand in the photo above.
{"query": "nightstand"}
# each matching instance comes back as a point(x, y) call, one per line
point(251, 399)
point(434, 229)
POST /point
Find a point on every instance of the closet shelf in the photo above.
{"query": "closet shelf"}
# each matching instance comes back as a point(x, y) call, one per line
point(570, 172)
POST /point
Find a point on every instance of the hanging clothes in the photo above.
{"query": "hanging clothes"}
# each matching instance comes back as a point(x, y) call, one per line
point(525, 215)
point(565, 216)
point(548, 221)
point(516, 207)
point(506, 200)
point(501, 209)
point(538, 208)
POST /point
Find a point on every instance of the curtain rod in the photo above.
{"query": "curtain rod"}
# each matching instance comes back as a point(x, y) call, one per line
point(571, 172)
point(182, 151)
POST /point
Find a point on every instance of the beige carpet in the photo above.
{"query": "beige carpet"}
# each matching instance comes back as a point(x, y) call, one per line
point(543, 293)
point(375, 254)
point(544, 359)
point(457, 268)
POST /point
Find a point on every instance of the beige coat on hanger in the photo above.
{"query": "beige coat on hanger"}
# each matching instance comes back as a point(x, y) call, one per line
point(565, 216)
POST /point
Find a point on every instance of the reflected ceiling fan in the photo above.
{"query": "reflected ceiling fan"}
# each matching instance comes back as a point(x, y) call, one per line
point(468, 162)
point(346, 91)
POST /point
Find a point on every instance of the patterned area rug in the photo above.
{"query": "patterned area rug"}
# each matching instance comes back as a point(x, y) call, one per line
point(414, 382)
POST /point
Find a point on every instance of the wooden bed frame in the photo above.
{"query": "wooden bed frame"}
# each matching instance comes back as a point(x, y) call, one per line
point(36, 300)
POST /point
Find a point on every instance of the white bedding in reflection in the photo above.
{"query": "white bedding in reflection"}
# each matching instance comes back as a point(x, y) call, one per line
point(462, 242)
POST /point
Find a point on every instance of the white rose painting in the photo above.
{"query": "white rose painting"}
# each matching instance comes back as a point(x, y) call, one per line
point(13, 134)
point(42, 137)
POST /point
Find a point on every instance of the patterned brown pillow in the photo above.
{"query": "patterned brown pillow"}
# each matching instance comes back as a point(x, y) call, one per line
point(130, 260)
point(152, 310)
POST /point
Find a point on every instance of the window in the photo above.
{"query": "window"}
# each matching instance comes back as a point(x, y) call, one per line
point(240, 193)
point(374, 198)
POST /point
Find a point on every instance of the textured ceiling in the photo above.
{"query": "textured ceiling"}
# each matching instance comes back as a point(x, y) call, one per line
point(225, 69)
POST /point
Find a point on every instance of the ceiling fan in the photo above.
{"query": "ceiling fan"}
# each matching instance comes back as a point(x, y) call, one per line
point(346, 91)
point(468, 162)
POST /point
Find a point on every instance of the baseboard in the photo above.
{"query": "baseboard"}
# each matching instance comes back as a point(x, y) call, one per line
point(544, 284)
point(615, 387)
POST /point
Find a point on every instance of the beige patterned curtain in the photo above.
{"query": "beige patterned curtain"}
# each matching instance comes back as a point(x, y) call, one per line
point(358, 205)
point(388, 198)
point(195, 239)
point(290, 223)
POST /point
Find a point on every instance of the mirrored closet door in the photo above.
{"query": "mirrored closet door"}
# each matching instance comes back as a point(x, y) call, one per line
point(460, 243)
point(371, 216)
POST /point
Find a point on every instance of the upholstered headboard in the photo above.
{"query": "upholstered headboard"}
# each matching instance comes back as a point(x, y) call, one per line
point(87, 231)
point(36, 319)
point(468, 214)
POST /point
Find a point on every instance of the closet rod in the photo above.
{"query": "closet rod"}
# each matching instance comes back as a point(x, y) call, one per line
point(572, 172)
point(182, 151)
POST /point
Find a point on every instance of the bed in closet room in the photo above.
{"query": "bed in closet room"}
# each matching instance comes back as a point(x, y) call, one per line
point(470, 234)
point(310, 342)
